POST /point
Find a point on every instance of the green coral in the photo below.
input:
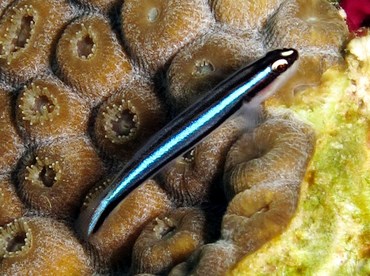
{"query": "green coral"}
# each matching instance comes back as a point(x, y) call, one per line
point(329, 232)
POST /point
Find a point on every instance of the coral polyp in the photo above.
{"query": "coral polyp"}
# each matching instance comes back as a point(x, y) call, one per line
point(196, 69)
point(169, 240)
point(244, 15)
point(116, 236)
point(28, 32)
point(279, 148)
point(11, 207)
point(213, 258)
point(48, 109)
point(56, 176)
point(260, 213)
point(128, 118)
point(87, 46)
point(11, 144)
point(306, 24)
point(155, 29)
point(317, 30)
point(41, 246)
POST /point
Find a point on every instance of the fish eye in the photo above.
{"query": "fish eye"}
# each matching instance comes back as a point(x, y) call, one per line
point(280, 66)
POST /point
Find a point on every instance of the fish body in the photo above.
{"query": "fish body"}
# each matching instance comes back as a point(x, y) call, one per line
point(250, 85)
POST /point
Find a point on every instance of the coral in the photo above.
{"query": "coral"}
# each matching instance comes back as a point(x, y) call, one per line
point(116, 236)
point(11, 144)
point(11, 206)
point(213, 258)
point(28, 33)
point(155, 29)
point(46, 109)
point(306, 24)
point(278, 148)
point(56, 176)
point(190, 179)
point(87, 46)
point(41, 246)
point(169, 240)
point(196, 69)
point(244, 15)
point(256, 215)
point(128, 118)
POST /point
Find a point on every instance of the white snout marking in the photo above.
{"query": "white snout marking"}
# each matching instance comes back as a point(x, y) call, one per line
point(287, 53)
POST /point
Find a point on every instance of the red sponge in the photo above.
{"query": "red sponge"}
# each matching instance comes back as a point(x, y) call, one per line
point(358, 13)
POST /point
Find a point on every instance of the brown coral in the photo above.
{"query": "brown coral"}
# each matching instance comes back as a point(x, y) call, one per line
point(156, 29)
point(116, 236)
point(169, 240)
point(11, 206)
point(56, 176)
point(28, 32)
point(127, 119)
point(41, 246)
point(89, 46)
point(279, 148)
point(214, 258)
point(47, 109)
point(260, 213)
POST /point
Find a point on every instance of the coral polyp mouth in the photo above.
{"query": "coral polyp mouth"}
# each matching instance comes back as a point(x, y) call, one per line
point(124, 124)
point(189, 156)
point(121, 122)
point(85, 45)
point(94, 193)
point(203, 68)
point(15, 239)
point(16, 242)
point(38, 105)
point(25, 31)
point(44, 172)
point(164, 228)
point(153, 14)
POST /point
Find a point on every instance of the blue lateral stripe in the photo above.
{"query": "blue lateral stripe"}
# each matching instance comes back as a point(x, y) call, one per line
point(190, 129)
